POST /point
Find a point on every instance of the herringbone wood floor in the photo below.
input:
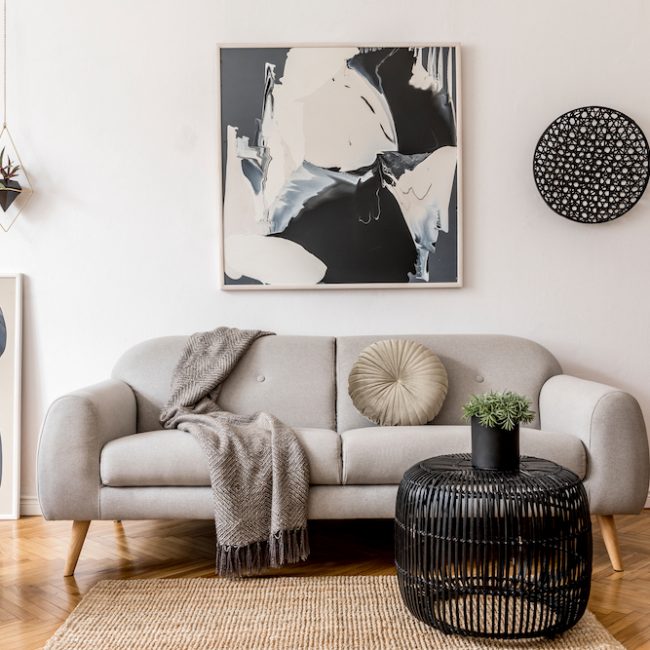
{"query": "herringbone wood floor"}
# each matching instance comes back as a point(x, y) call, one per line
point(35, 598)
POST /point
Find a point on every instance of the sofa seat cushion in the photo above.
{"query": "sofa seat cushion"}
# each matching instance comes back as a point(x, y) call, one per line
point(381, 455)
point(175, 458)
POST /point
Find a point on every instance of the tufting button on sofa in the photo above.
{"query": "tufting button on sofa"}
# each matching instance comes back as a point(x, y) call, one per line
point(261, 378)
point(479, 379)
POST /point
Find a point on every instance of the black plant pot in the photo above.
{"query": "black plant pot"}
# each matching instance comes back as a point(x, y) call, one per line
point(494, 449)
point(8, 196)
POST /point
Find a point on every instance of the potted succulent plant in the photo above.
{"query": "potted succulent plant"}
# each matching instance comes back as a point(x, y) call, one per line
point(495, 419)
point(9, 187)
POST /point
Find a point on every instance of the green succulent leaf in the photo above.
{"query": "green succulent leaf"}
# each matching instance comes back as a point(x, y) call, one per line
point(9, 169)
point(503, 410)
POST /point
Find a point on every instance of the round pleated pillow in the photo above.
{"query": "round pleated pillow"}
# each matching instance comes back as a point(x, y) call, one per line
point(398, 382)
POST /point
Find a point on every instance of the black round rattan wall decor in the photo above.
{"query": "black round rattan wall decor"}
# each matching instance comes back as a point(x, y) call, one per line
point(591, 164)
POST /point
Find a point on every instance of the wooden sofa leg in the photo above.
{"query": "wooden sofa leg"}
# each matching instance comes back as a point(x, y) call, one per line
point(79, 530)
point(608, 529)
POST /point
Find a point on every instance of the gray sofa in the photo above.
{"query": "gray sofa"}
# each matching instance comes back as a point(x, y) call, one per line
point(103, 455)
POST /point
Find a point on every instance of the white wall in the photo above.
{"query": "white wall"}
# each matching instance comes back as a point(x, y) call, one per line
point(112, 106)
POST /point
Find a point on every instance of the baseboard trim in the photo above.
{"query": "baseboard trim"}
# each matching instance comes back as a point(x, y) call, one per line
point(29, 506)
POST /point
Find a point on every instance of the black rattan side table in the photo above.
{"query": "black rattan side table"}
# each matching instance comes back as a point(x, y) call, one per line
point(495, 554)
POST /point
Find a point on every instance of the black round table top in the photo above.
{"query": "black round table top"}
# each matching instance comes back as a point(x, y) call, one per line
point(457, 470)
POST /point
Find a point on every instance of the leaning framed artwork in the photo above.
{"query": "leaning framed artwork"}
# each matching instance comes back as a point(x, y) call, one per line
point(10, 379)
point(340, 166)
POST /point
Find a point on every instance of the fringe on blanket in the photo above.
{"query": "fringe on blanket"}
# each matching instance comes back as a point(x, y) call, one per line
point(283, 547)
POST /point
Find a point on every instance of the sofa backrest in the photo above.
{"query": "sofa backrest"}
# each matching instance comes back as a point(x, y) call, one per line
point(291, 377)
point(303, 380)
point(475, 363)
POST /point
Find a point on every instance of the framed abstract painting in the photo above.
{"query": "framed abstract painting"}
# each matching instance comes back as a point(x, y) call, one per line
point(10, 376)
point(340, 166)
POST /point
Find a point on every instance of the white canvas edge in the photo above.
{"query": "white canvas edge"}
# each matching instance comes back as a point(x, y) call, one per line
point(367, 286)
point(16, 432)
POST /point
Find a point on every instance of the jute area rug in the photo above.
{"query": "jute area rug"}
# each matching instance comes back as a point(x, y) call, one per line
point(321, 613)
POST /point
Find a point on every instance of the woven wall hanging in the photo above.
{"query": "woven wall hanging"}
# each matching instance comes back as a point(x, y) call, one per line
point(591, 164)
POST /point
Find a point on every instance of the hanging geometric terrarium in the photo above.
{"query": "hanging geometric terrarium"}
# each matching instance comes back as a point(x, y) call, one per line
point(15, 189)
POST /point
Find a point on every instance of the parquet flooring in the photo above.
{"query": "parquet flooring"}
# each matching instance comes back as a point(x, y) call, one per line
point(35, 598)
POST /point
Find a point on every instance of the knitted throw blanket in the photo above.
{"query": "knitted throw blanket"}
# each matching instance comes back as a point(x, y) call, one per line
point(258, 470)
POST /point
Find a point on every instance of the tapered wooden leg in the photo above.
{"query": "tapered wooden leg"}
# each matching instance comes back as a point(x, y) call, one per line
point(79, 530)
point(608, 529)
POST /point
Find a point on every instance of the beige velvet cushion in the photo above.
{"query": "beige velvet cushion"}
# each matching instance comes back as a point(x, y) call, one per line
point(398, 382)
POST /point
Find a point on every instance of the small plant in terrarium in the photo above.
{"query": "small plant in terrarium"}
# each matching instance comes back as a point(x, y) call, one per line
point(9, 187)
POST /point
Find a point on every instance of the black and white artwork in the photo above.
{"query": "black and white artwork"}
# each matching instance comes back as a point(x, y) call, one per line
point(3, 345)
point(10, 364)
point(3, 332)
point(340, 166)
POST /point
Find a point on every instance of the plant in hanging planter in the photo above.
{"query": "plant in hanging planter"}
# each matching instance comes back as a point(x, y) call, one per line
point(495, 419)
point(9, 188)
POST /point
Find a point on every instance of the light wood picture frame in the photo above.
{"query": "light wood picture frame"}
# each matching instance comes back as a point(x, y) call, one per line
point(340, 166)
point(11, 305)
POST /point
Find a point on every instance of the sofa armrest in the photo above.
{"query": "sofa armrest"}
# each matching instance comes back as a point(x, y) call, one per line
point(610, 424)
point(75, 429)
